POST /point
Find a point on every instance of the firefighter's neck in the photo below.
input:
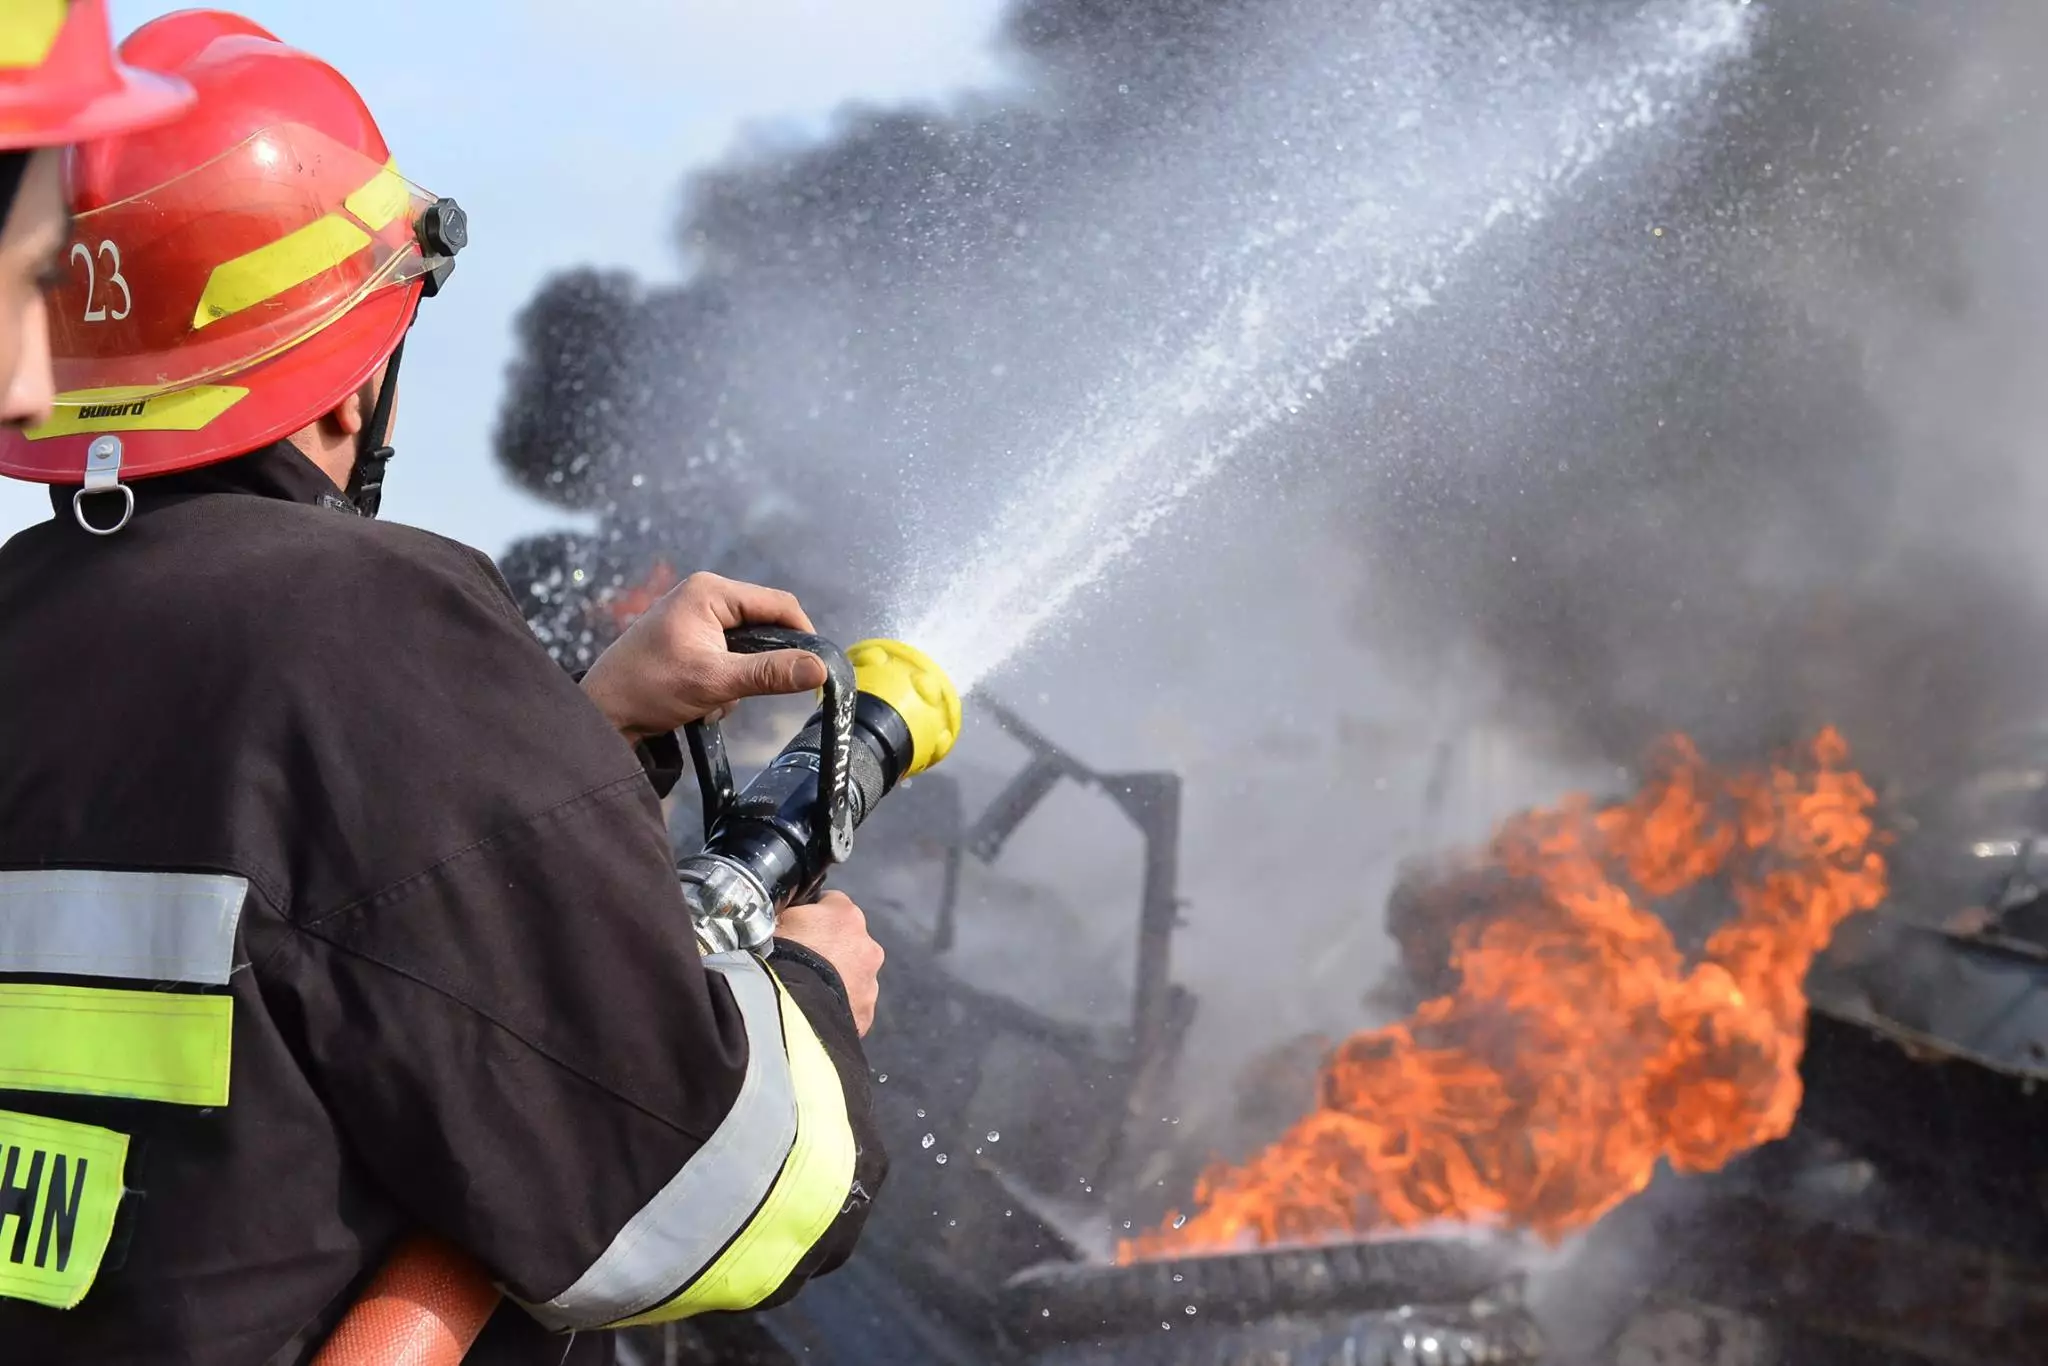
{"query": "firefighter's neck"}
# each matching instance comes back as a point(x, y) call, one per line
point(330, 441)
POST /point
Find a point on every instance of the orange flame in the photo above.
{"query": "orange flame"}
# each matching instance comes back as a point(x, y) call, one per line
point(627, 605)
point(1578, 1046)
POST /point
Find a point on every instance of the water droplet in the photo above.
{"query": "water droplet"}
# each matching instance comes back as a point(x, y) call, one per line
point(1178, 1278)
point(1180, 1221)
point(920, 1114)
point(942, 1159)
point(1127, 1226)
point(994, 1137)
point(1165, 1325)
point(1045, 1313)
point(882, 1080)
point(927, 1141)
point(1191, 1309)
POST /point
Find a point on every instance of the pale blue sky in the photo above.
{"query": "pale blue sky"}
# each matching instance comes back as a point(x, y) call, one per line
point(564, 131)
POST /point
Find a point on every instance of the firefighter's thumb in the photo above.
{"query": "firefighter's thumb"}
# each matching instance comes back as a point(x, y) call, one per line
point(776, 673)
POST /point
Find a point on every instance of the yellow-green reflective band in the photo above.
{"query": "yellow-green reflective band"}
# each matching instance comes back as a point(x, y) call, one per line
point(59, 1186)
point(382, 198)
point(136, 1045)
point(28, 30)
point(136, 410)
point(270, 270)
point(677, 1235)
point(806, 1198)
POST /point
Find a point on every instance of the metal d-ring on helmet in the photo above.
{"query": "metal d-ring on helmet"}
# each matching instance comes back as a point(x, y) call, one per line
point(233, 275)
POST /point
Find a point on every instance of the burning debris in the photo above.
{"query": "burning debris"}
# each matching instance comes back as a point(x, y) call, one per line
point(1579, 1046)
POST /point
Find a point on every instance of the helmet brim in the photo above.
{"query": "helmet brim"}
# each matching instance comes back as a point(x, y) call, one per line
point(139, 99)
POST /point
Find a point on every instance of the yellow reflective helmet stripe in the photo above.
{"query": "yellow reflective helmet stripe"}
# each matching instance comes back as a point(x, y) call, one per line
point(381, 199)
point(270, 270)
point(29, 29)
point(136, 410)
point(60, 1184)
point(133, 1045)
point(808, 1195)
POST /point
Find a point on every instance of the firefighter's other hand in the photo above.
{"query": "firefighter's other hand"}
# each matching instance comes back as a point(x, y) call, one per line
point(671, 666)
point(836, 930)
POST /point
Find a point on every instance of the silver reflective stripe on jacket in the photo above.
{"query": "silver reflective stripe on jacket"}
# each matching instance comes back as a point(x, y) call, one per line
point(159, 927)
point(682, 1229)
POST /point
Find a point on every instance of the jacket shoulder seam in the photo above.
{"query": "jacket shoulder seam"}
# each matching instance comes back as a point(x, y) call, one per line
point(390, 891)
point(534, 1046)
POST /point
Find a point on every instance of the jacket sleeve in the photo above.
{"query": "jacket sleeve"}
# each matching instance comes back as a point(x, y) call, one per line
point(517, 1035)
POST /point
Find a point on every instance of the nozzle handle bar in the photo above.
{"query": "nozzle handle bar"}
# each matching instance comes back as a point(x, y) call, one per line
point(714, 768)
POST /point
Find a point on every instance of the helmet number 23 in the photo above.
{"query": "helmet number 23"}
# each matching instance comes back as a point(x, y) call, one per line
point(96, 310)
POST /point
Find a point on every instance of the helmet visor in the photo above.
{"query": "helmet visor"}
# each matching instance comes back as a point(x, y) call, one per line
point(229, 264)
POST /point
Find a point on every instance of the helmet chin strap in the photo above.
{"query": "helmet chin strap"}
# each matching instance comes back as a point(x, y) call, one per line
point(366, 480)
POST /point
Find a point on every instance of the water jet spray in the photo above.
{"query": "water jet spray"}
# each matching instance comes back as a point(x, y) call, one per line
point(1367, 244)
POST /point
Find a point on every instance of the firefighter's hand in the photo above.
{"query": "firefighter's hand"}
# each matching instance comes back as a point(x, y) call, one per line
point(834, 929)
point(671, 666)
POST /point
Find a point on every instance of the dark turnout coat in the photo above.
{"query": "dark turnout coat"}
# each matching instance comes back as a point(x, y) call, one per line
point(330, 909)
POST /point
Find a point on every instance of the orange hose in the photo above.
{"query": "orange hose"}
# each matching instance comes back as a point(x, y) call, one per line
point(424, 1308)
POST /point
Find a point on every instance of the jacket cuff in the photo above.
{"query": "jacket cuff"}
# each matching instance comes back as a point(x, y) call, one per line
point(661, 758)
point(789, 951)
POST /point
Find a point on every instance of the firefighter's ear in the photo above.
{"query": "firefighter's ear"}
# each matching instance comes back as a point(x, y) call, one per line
point(330, 442)
point(349, 415)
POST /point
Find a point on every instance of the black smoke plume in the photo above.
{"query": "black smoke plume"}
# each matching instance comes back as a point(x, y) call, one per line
point(1750, 450)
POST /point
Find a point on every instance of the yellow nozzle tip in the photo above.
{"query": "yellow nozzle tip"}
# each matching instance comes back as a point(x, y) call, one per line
point(907, 679)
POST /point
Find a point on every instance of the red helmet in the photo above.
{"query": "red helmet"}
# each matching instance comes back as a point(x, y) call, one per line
point(233, 274)
point(59, 81)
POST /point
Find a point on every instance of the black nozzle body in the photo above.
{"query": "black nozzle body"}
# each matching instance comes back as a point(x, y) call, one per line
point(772, 828)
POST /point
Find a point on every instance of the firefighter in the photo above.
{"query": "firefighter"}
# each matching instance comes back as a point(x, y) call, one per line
point(330, 908)
point(59, 82)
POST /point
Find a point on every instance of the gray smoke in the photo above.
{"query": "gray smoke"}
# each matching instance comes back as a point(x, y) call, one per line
point(1764, 456)
point(1741, 439)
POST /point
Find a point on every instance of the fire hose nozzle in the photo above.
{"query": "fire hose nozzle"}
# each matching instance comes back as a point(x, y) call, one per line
point(886, 712)
point(908, 680)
